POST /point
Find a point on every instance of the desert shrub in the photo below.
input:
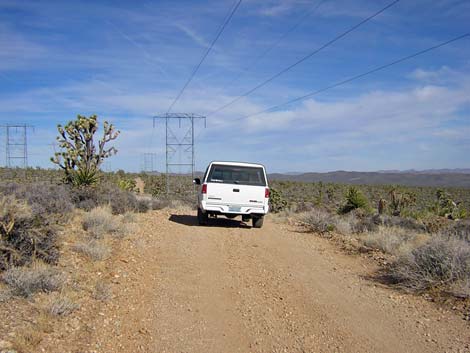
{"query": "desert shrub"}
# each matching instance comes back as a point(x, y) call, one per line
point(94, 250)
point(129, 217)
point(318, 221)
point(5, 294)
point(119, 200)
point(44, 198)
point(143, 205)
point(100, 221)
point(23, 236)
point(393, 240)
point(345, 224)
point(441, 262)
point(62, 306)
point(103, 194)
point(402, 222)
point(159, 204)
point(276, 202)
point(457, 230)
point(24, 281)
point(126, 184)
point(155, 185)
point(355, 199)
point(303, 206)
point(102, 291)
point(445, 206)
point(364, 224)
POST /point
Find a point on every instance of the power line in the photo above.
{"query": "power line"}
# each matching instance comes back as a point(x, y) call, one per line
point(340, 83)
point(304, 58)
point(227, 20)
point(275, 43)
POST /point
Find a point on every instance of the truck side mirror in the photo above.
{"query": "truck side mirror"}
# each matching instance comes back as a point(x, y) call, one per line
point(197, 181)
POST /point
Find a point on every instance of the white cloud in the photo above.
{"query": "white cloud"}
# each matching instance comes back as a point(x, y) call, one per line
point(192, 35)
point(17, 51)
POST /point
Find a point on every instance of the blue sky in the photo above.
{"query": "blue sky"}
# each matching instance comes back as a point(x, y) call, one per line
point(126, 60)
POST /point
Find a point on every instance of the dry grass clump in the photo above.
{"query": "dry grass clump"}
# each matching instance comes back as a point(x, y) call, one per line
point(25, 281)
point(393, 240)
point(62, 306)
point(318, 221)
point(102, 291)
point(100, 221)
point(439, 263)
point(26, 341)
point(345, 224)
point(129, 217)
point(95, 250)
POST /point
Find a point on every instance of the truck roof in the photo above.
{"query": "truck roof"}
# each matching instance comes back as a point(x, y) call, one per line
point(238, 164)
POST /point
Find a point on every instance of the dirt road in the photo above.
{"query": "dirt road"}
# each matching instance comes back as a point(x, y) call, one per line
point(230, 288)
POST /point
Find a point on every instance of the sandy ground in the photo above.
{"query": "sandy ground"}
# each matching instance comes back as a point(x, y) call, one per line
point(230, 288)
point(178, 287)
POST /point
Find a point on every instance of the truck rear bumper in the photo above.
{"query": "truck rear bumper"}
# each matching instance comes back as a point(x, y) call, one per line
point(232, 209)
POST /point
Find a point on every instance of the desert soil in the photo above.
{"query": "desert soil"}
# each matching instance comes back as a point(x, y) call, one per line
point(227, 287)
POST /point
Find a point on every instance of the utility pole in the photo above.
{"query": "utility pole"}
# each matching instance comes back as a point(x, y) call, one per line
point(16, 144)
point(180, 145)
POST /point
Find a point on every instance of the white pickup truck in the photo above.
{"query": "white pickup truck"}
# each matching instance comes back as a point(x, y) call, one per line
point(233, 189)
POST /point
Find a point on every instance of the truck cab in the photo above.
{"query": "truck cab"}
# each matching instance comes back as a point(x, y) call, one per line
point(233, 189)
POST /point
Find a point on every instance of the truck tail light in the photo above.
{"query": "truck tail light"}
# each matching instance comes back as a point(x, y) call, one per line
point(266, 193)
point(204, 189)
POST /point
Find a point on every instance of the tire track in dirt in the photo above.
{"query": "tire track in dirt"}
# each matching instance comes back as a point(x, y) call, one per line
point(226, 288)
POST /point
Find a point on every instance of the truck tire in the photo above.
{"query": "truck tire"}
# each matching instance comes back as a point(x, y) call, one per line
point(202, 218)
point(258, 222)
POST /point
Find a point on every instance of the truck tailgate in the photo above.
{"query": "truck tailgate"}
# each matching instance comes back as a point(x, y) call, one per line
point(235, 195)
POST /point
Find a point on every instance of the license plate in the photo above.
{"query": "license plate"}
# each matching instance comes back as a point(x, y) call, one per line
point(234, 209)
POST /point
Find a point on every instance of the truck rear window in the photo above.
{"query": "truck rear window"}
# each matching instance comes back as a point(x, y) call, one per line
point(229, 174)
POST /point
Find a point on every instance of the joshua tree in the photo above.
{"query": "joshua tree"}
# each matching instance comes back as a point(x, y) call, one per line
point(80, 157)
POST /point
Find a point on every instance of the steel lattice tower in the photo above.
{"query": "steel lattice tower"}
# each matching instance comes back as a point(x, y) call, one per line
point(179, 145)
point(16, 145)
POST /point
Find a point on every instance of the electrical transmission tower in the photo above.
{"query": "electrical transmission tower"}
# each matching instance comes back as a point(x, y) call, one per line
point(179, 140)
point(148, 162)
point(16, 145)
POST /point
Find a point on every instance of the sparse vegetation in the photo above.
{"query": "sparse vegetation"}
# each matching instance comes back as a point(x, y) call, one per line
point(439, 263)
point(318, 221)
point(422, 230)
point(62, 305)
point(94, 250)
point(393, 240)
point(25, 281)
point(102, 291)
point(100, 221)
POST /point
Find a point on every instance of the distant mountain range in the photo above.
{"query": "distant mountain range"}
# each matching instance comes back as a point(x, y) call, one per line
point(430, 171)
point(433, 177)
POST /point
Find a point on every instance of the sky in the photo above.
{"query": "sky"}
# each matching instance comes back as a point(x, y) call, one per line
point(126, 61)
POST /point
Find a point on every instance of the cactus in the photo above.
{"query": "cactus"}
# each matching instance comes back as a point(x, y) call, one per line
point(80, 158)
point(127, 184)
point(400, 200)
